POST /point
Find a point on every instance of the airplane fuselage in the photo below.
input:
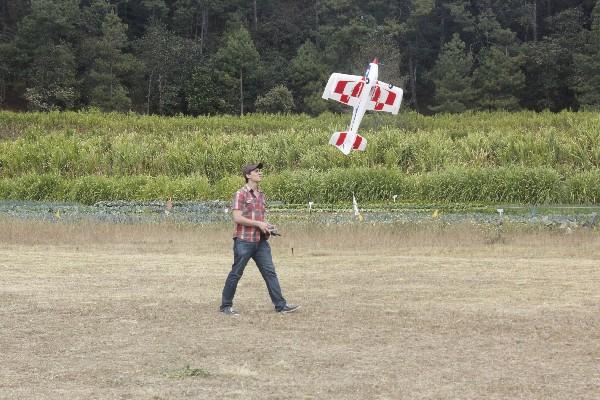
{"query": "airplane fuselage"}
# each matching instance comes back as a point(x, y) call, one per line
point(366, 93)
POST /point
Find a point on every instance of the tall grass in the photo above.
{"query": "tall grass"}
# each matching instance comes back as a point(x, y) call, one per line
point(87, 156)
point(79, 144)
point(456, 185)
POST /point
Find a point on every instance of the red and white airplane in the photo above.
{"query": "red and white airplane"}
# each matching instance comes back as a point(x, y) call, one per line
point(363, 93)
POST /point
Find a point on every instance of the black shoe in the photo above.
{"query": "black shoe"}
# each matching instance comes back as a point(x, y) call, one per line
point(289, 308)
point(229, 311)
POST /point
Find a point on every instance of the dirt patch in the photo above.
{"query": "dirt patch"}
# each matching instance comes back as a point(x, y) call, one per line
point(111, 311)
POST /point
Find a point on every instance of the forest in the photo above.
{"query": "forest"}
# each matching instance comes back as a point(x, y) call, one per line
point(211, 57)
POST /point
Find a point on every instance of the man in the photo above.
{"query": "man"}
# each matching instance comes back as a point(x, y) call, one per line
point(250, 242)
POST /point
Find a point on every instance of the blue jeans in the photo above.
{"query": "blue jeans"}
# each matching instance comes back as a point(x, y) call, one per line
point(260, 252)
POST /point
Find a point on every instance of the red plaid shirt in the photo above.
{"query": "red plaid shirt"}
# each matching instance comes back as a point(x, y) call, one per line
point(252, 205)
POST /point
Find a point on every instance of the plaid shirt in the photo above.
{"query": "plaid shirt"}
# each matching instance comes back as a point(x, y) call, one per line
point(252, 205)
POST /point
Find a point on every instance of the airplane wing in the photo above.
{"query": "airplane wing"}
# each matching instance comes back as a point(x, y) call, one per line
point(344, 88)
point(385, 98)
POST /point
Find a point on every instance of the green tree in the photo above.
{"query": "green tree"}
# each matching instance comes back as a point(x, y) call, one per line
point(417, 35)
point(168, 63)
point(275, 33)
point(342, 27)
point(46, 39)
point(586, 77)
point(498, 80)
point(188, 18)
point(49, 21)
point(48, 50)
point(92, 17)
point(110, 66)
point(380, 44)
point(460, 15)
point(156, 8)
point(546, 69)
point(191, 19)
point(277, 100)
point(549, 64)
point(8, 53)
point(53, 79)
point(10, 13)
point(489, 32)
point(307, 77)
point(451, 75)
point(238, 60)
point(204, 94)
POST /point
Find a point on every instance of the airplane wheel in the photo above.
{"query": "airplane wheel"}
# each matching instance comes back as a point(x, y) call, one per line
point(391, 86)
point(368, 80)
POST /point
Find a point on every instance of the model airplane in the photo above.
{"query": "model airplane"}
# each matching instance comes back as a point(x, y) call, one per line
point(363, 93)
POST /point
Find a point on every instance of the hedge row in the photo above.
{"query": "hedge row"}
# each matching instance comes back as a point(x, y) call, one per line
point(72, 155)
point(217, 147)
point(95, 122)
point(496, 185)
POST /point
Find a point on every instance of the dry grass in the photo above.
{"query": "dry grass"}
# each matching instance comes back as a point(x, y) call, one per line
point(397, 312)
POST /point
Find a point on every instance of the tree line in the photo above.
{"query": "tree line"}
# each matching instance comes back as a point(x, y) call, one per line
point(200, 57)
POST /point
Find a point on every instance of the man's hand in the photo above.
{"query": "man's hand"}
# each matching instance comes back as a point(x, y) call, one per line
point(266, 228)
point(273, 230)
point(263, 226)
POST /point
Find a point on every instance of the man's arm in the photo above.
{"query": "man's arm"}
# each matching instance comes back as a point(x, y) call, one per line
point(239, 219)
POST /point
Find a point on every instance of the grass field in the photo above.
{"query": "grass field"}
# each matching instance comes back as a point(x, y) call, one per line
point(95, 311)
point(489, 157)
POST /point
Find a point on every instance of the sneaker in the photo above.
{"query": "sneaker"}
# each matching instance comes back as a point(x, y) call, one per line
point(289, 308)
point(229, 311)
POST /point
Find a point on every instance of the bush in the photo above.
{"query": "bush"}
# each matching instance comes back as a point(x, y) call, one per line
point(190, 188)
point(90, 190)
point(277, 100)
point(513, 184)
point(6, 188)
point(583, 188)
point(227, 186)
point(37, 187)
point(455, 185)
point(509, 184)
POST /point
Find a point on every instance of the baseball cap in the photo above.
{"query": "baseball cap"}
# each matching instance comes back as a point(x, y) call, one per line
point(246, 169)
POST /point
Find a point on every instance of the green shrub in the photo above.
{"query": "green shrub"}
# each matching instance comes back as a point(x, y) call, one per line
point(227, 186)
point(37, 187)
point(190, 188)
point(90, 189)
point(277, 100)
point(455, 185)
point(6, 188)
point(583, 188)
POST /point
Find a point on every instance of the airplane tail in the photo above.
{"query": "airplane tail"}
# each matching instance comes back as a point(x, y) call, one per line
point(348, 141)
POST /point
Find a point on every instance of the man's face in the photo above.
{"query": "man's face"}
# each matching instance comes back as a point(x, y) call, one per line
point(255, 175)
